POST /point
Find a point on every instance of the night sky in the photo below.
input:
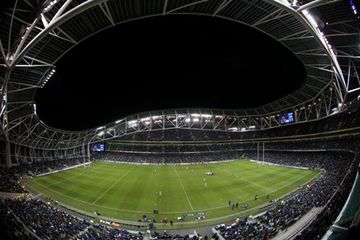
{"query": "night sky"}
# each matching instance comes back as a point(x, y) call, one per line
point(166, 62)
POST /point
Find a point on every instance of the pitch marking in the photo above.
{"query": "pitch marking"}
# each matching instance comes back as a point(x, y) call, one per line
point(187, 197)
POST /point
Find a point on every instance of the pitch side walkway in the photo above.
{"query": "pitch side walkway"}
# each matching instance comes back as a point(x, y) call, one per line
point(13, 195)
point(199, 230)
point(292, 231)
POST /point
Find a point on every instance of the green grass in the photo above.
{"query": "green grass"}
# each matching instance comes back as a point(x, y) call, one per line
point(126, 191)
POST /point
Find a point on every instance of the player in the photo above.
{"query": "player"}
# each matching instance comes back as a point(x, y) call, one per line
point(205, 184)
point(160, 193)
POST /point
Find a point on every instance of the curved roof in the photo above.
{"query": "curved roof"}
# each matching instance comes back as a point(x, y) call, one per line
point(324, 35)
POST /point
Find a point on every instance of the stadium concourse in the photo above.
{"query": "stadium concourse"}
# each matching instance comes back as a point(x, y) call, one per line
point(31, 217)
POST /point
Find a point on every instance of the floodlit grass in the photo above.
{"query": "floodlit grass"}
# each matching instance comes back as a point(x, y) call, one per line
point(127, 192)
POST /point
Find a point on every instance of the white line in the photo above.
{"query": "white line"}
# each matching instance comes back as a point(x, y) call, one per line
point(82, 172)
point(262, 186)
point(112, 185)
point(88, 203)
point(57, 192)
point(245, 180)
point(187, 197)
point(133, 211)
point(66, 179)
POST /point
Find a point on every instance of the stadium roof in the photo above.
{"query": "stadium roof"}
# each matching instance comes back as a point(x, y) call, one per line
point(323, 34)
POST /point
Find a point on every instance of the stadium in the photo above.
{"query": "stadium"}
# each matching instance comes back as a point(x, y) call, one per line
point(286, 168)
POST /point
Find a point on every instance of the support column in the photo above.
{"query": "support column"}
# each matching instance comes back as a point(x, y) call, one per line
point(83, 153)
point(4, 120)
point(88, 152)
point(8, 155)
point(31, 155)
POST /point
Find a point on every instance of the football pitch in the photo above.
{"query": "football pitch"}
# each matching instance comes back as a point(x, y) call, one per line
point(128, 191)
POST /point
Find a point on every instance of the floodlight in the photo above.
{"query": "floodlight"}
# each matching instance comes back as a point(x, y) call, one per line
point(145, 119)
point(155, 117)
point(206, 115)
point(132, 123)
point(34, 106)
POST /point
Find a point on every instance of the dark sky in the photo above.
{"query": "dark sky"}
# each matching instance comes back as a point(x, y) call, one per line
point(166, 62)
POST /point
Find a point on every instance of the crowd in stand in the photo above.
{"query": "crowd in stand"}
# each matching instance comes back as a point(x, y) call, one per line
point(28, 217)
point(336, 166)
point(40, 167)
point(321, 224)
point(10, 227)
point(10, 181)
point(35, 214)
point(10, 178)
point(197, 153)
point(47, 222)
point(160, 158)
point(350, 142)
point(178, 135)
point(164, 147)
point(166, 236)
point(33, 219)
point(44, 220)
point(170, 148)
